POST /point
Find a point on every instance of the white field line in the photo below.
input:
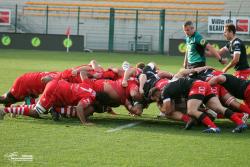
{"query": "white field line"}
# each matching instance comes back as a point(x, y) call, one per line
point(123, 127)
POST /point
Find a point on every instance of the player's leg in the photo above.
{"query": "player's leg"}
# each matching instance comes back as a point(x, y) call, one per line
point(192, 110)
point(8, 99)
point(26, 110)
point(214, 104)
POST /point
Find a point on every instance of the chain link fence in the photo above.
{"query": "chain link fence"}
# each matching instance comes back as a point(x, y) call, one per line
point(114, 29)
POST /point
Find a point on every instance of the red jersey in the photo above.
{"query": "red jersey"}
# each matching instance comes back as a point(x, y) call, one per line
point(68, 74)
point(123, 93)
point(30, 84)
point(59, 93)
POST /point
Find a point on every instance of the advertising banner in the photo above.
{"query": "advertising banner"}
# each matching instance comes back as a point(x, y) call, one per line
point(41, 41)
point(216, 24)
point(242, 25)
point(5, 17)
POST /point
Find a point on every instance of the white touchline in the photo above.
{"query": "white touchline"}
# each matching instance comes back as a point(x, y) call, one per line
point(124, 126)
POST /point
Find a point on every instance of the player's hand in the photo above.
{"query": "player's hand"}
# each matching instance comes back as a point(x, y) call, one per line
point(124, 83)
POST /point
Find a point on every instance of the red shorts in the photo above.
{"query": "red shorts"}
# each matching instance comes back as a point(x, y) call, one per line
point(219, 90)
point(201, 90)
point(243, 74)
point(48, 97)
point(247, 96)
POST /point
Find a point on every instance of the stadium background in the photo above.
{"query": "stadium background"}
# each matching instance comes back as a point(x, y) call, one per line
point(152, 142)
point(119, 25)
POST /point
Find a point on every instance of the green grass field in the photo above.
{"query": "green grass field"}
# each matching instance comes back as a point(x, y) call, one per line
point(150, 143)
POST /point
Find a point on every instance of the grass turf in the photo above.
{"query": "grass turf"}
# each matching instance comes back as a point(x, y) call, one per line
point(151, 143)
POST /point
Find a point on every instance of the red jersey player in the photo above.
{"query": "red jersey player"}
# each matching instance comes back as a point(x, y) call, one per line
point(59, 93)
point(29, 84)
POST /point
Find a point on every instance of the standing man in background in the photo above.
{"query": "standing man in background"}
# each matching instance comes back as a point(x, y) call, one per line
point(238, 53)
point(196, 46)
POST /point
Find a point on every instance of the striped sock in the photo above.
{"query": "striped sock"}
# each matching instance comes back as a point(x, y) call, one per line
point(19, 110)
point(68, 111)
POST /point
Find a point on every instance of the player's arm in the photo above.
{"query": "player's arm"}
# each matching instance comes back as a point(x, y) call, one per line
point(204, 43)
point(127, 74)
point(217, 80)
point(233, 62)
point(165, 74)
point(199, 69)
point(81, 114)
point(94, 64)
point(142, 81)
point(223, 51)
point(75, 71)
point(185, 60)
point(184, 73)
point(214, 52)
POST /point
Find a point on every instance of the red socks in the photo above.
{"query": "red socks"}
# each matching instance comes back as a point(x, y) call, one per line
point(245, 108)
point(185, 118)
point(207, 121)
point(235, 118)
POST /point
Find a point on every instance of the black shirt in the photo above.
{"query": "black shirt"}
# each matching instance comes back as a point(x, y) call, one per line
point(238, 46)
point(235, 86)
point(176, 89)
point(152, 78)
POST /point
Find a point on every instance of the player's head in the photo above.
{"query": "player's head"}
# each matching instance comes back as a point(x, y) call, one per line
point(188, 28)
point(229, 31)
point(154, 94)
point(103, 98)
point(153, 66)
point(140, 65)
